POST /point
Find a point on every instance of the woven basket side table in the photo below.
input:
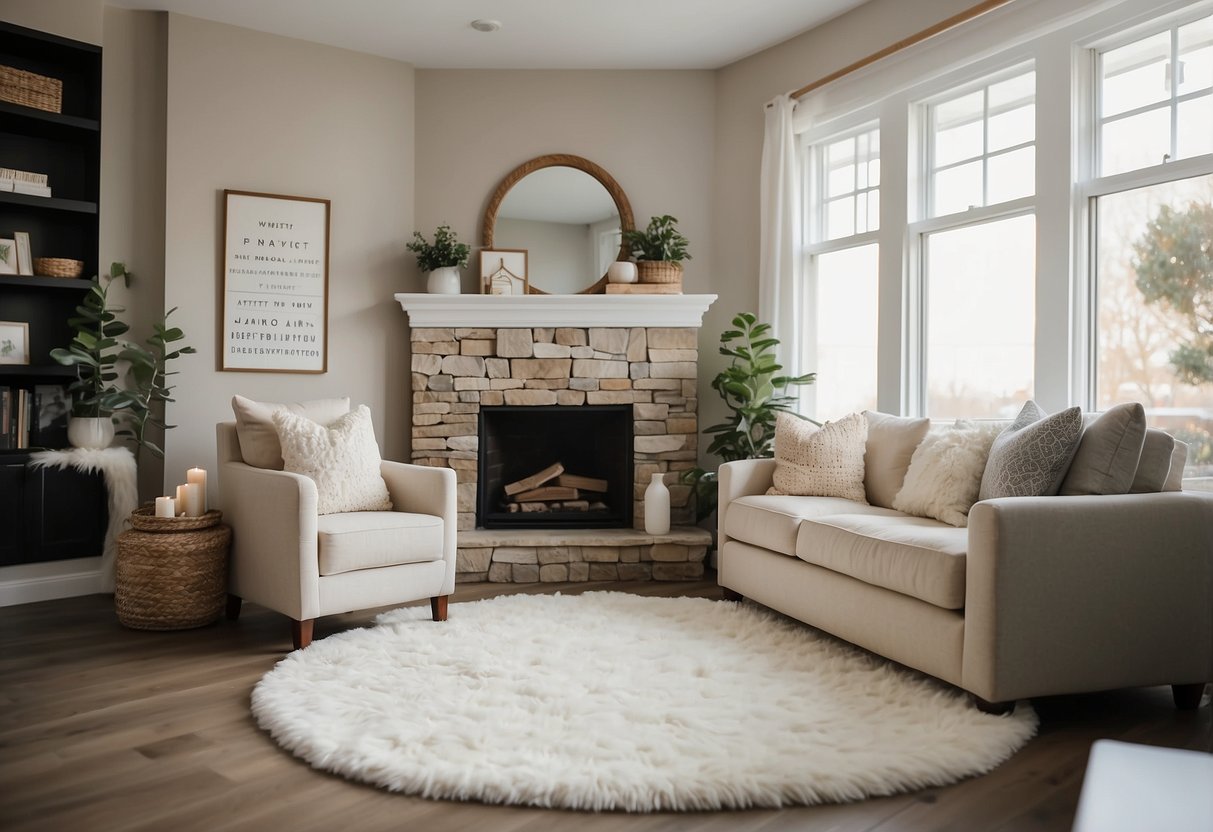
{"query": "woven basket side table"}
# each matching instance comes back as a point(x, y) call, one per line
point(171, 573)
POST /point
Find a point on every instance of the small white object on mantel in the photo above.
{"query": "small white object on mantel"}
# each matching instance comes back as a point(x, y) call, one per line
point(117, 466)
point(506, 311)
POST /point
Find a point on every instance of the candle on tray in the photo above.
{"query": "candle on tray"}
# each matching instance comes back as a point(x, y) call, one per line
point(193, 499)
point(197, 476)
point(166, 507)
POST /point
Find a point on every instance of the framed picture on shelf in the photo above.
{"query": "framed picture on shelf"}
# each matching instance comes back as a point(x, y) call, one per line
point(275, 283)
point(25, 262)
point(8, 256)
point(14, 342)
point(503, 271)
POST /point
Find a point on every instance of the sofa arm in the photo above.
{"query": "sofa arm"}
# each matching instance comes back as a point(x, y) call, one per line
point(274, 543)
point(1069, 594)
point(425, 489)
point(743, 478)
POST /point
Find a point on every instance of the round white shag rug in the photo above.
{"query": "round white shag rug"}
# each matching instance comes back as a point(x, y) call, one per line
point(614, 701)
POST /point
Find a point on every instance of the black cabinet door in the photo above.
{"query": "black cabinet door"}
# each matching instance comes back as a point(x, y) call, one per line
point(12, 513)
point(65, 514)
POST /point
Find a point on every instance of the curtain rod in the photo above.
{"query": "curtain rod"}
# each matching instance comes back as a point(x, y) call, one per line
point(905, 43)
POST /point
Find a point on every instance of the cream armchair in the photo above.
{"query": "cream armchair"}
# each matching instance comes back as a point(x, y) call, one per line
point(289, 559)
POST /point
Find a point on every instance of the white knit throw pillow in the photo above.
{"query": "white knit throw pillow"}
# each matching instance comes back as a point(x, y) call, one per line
point(820, 462)
point(342, 459)
point(945, 472)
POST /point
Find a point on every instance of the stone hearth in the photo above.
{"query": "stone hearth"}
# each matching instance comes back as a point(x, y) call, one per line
point(471, 351)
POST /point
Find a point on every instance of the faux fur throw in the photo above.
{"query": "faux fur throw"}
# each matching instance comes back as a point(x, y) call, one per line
point(117, 466)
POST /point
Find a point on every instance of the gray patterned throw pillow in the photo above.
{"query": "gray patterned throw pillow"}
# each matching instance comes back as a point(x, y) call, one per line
point(1030, 458)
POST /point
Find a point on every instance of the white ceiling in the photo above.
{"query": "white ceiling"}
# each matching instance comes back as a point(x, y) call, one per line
point(536, 34)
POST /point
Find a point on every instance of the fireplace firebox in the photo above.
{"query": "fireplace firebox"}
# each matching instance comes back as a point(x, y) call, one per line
point(555, 467)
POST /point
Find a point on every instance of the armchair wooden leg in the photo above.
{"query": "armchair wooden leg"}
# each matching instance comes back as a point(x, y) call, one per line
point(233, 606)
point(438, 607)
point(1187, 697)
point(993, 708)
point(301, 632)
point(732, 595)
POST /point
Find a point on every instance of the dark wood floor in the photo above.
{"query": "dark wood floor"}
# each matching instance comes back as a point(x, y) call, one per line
point(106, 728)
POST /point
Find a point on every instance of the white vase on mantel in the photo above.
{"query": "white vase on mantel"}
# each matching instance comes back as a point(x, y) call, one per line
point(657, 506)
point(621, 271)
point(90, 432)
point(444, 281)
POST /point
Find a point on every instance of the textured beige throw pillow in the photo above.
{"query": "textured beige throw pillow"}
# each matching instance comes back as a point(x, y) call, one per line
point(259, 445)
point(820, 462)
point(342, 459)
point(1108, 453)
point(892, 441)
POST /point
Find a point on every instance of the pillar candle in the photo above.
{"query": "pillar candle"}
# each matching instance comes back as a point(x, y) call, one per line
point(180, 501)
point(198, 476)
point(193, 499)
point(166, 507)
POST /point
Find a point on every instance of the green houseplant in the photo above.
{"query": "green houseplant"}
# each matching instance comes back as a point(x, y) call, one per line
point(442, 259)
point(755, 391)
point(96, 351)
point(659, 250)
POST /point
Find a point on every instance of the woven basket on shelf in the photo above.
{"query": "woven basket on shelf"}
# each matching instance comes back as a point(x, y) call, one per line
point(58, 267)
point(31, 90)
point(659, 271)
point(171, 572)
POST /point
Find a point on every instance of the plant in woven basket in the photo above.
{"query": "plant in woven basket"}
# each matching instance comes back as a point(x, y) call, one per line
point(446, 250)
point(755, 391)
point(661, 240)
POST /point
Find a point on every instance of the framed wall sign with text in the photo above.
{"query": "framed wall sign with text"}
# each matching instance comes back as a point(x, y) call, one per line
point(275, 283)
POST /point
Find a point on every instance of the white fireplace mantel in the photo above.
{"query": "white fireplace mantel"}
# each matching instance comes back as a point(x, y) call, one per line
point(506, 311)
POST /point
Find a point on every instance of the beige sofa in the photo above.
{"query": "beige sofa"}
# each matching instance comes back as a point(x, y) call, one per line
point(1038, 596)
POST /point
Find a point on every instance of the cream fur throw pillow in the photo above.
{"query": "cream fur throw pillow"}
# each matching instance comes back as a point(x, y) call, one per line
point(945, 472)
point(342, 458)
point(255, 430)
point(820, 462)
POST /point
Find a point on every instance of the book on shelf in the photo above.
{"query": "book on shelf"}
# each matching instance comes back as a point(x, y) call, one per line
point(6, 411)
point(48, 423)
point(31, 189)
point(15, 175)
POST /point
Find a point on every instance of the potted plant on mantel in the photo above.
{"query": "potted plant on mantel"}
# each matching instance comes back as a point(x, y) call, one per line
point(659, 250)
point(442, 258)
point(95, 352)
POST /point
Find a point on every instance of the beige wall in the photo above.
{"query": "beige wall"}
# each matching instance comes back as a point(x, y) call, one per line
point(76, 19)
point(742, 90)
point(259, 112)
point(558, 252)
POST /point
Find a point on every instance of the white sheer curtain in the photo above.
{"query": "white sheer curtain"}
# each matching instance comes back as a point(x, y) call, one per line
point(780, 293)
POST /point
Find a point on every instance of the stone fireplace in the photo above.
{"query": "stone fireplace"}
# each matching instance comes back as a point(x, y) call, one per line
point(475, 354)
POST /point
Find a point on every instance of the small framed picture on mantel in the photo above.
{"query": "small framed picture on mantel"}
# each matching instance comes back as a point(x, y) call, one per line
point(503, 271)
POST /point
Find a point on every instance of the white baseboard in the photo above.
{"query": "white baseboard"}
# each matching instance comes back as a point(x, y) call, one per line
point(30, 582)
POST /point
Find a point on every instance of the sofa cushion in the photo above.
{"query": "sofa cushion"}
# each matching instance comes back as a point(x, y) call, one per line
point(1155, 464)
point(1179, 459)
point(772, 521)
point(370, 539)
point(890, 447)
point(945, 472)
point(914, 556)
point(822, 462)
point(1108, 453)
point(1031, 457)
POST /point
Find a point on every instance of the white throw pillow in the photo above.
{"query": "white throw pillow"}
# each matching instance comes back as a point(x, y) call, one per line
point(342, 459)
point(820, 462)
point(945, 472)
point(255, 430)
point(891, 444)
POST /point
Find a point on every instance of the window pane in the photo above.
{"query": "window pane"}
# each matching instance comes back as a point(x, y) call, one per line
point(1018, 90)
point(1195, 127)
point(956, 143)
point(873, 210)
point(1153, 262)
point(981, 295)
point(861, 213)
point(1012, 127)
point(958, 188)
point(1135, 142)
point(840, 218)
point(840, 167)
point(846, 332)
point(1196, 56)
point(1135, 75)
point(1011, 175)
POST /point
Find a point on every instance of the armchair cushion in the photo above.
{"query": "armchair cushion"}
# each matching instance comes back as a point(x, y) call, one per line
point(342, 459)
point(255, 429)
point(370, 539)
